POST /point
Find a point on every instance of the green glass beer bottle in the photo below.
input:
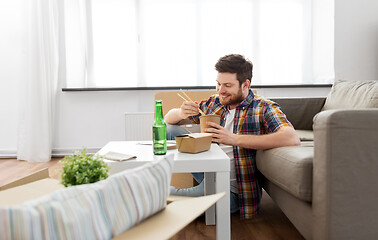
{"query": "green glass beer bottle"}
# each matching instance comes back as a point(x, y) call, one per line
point(159, 131)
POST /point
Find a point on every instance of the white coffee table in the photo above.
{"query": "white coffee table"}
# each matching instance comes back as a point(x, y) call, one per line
point(214, 163)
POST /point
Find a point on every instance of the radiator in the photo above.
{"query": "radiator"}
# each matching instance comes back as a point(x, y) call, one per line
point(138, 126)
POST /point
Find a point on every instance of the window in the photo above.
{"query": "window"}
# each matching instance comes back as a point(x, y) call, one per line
point(167, 43)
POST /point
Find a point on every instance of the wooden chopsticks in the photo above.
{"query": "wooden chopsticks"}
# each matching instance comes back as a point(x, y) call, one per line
point(187, 97)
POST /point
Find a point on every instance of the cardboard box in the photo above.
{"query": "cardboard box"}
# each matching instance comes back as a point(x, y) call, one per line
point(183, 180)
point(38, 175)
point(193, 142)
point(179, 212)
point(172, 100)
point(165, 224)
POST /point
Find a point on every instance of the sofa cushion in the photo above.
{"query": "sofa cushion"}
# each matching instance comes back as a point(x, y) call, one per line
point(289, 168)
point(352, 94)
point(300, 111)
point(100, 210)
point(305, 135)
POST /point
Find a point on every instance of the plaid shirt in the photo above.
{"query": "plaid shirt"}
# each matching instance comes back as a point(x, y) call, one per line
point(254, 116)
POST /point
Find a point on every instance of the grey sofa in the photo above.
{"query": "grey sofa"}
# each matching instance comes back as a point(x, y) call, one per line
point(328, 186)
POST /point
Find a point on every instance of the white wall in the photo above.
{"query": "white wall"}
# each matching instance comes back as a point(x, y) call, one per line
point(356, 39)
point(323, 41)
point(91, 119)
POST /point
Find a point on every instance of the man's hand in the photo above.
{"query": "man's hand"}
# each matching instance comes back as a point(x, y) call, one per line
point(220, 134)
point(188, 109)
point(284, 136)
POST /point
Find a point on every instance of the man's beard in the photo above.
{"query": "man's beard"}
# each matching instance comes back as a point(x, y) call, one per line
point(234, 100)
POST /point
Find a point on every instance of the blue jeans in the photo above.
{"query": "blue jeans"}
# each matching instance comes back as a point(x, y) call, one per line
point(175, 130)
point(234, 198)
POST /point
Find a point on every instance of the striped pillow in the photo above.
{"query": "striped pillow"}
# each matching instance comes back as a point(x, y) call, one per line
point(100, 210)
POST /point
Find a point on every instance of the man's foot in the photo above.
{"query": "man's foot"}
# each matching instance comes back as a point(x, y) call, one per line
point(195, 191)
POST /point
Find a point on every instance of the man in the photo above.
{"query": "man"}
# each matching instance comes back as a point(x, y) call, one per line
point(248, 123)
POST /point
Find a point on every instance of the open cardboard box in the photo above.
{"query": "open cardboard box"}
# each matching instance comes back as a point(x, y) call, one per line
point(193, 142)
point(180, 211)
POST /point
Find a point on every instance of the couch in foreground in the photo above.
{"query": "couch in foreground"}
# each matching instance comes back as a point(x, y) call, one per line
point(327, 187)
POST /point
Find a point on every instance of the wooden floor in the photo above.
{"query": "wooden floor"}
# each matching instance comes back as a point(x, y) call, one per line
point(271, 224)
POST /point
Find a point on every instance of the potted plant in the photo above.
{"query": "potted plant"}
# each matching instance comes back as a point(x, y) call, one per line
point(83, 168)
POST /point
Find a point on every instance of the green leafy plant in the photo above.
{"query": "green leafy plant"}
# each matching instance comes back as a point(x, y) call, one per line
point(83, 168)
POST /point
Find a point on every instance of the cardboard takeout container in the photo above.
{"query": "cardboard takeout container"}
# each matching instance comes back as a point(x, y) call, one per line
point(178, 213)
point(193, 142)
point(208, 118)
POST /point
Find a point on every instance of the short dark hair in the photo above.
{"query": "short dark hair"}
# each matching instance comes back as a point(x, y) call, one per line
point(235, 63)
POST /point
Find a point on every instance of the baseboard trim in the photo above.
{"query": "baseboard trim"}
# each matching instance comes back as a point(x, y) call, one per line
point(56, 152)
point(8, 153)
point(61, 152)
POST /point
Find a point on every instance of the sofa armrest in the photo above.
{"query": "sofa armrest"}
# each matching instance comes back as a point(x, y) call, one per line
point(345, 176)
point(300, 111)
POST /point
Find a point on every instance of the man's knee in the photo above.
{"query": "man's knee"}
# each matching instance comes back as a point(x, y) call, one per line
point(175, 130)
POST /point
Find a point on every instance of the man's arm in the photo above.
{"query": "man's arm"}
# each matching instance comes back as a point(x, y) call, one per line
point(284, 136)
point(186, 110)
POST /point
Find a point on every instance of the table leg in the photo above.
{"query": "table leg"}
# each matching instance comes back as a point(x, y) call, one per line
point(223, 216)
point(210, 189)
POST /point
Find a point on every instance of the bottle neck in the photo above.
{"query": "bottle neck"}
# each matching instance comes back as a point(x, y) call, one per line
point(159, 110)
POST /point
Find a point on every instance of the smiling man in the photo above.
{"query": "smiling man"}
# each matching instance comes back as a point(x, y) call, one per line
point(248, 123)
